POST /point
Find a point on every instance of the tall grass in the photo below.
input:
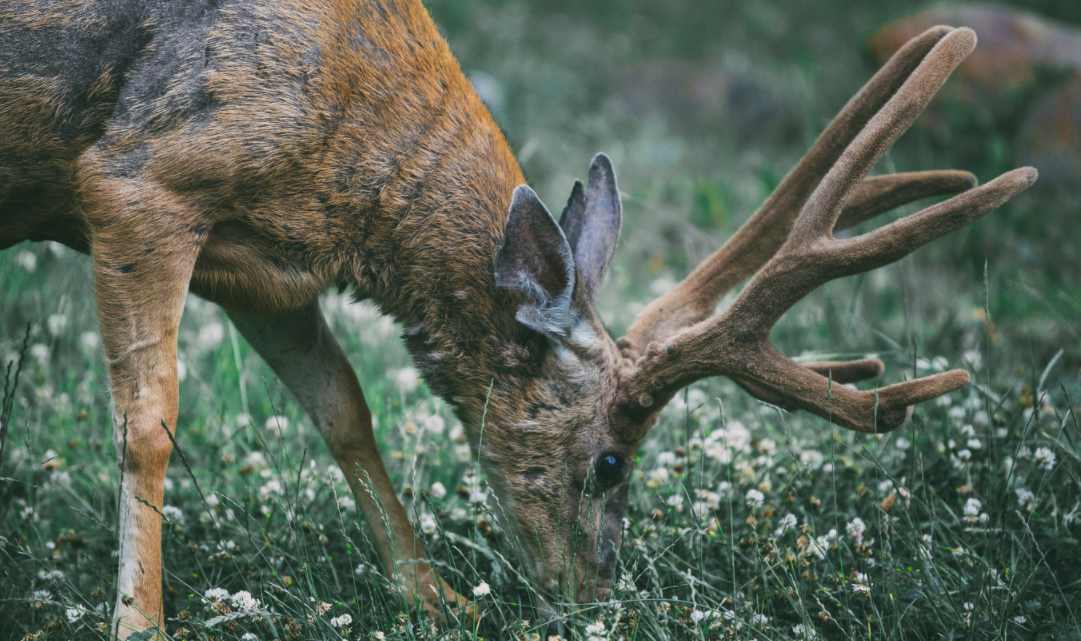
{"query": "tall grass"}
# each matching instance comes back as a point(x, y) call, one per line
point(745, 522)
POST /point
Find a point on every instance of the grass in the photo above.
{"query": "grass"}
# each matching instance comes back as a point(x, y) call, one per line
point(744, 522)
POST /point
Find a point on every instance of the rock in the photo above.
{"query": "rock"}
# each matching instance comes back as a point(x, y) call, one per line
point(1013, 45)
point(1050, 138)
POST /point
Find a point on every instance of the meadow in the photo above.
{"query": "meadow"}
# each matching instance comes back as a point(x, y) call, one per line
point(745, 521)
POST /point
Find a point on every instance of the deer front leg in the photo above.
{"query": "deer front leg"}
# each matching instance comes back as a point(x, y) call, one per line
point(143, 252)
point(300, 349)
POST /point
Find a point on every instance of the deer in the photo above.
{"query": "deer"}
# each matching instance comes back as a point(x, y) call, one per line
point(257, 153)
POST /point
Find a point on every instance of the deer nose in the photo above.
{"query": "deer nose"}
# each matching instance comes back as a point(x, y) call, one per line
point(592, 589)
point(606, 558)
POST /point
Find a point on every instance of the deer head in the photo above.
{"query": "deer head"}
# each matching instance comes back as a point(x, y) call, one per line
point(563, 440)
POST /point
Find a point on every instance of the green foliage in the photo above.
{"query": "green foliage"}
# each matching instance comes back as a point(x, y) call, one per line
point(744, 522)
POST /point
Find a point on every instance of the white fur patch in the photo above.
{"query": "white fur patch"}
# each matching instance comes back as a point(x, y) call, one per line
point(582, 336)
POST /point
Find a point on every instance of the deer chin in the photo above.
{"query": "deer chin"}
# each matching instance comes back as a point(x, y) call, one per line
point(569, 560)
point(596, 554)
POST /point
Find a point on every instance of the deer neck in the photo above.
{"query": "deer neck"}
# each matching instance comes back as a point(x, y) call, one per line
point(418, 181)
point(428, 250)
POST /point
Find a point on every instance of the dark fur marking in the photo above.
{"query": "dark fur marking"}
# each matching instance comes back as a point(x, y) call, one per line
point(131, 164)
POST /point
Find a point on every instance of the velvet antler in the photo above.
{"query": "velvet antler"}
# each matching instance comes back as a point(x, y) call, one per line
point(789, 247)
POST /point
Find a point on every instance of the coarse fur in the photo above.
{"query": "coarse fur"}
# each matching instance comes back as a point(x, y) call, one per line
point(257, 152)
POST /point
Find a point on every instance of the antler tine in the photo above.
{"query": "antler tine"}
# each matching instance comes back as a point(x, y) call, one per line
point(888, 244)
point(736, 344)
point(823, 207)
point(764, 232)
point(836, 371)
point(873, 196)
point(789, 385)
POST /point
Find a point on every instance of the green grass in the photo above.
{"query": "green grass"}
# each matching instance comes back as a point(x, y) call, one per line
point(743, 521)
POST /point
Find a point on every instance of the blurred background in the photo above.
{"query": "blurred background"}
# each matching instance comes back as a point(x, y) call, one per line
point(705, 106)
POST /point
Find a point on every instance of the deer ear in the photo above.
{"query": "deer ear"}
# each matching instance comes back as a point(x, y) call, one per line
point(535, 262)
point(592, 220)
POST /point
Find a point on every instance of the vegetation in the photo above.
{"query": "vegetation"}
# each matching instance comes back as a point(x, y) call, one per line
point(745, 522)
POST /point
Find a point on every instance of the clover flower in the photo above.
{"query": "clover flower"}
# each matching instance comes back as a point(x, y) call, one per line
point(482, 589)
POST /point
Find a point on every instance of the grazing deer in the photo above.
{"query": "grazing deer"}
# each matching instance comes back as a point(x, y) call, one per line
point(256, 152)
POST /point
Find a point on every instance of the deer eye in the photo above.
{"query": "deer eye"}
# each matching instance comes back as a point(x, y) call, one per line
point(608, 470)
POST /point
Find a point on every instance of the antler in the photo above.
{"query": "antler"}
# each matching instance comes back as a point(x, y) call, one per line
point(790, 248)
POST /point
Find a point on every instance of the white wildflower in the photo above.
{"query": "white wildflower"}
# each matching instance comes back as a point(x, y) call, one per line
point(738, 436)
point(973, 512)
point(407, 379)
point(276, 424)
point(482, 589)
point(74, 613)
point(271, 488)
point(56, 324)
point(438, 490)
point(666, 459)
point(210, 335)
point(754, 498)
point(595, 631)
point(51, 575)
point(89, 342)
point(1025, 498)
point(428, 524)
point(855, 529)
point(811, 458)
point(657, 476)
point(1044, 458)
point(244, 601)
point(40, 353)
point(662, 284)
point(434, 424)
point(27, 260)
point(173, 513)
point(711, 499)
point(255, 459)
point(342, 621)
point(787, 523)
